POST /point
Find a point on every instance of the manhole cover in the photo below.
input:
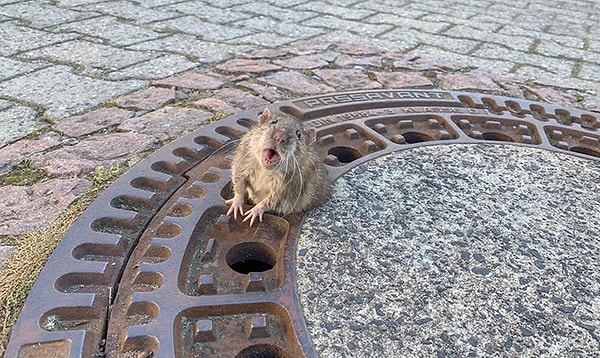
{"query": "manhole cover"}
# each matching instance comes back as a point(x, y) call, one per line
point(155, 268)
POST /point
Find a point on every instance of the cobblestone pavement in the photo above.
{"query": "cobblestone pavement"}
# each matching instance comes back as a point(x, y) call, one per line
point(88, 83)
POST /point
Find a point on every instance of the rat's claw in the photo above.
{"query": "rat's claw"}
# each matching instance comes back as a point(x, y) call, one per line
point(236, 205)
point(255, 212)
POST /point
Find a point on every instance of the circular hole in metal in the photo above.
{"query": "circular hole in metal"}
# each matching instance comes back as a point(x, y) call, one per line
point(416, 137)
point(345, 154)
point(262, 351)
point(251, 257)
point(496, 136)
point(587, 151)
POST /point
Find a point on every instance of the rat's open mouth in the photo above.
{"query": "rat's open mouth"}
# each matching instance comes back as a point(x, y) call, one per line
point(270, 158)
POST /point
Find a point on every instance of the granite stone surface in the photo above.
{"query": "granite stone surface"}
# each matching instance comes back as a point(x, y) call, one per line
point(455, 251)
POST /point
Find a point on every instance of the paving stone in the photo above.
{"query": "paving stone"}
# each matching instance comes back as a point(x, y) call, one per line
point(28, 209)
point(43, 15)
point(12, 68)
point(347, 79)
point(475, 81)
point(192, 25)
point(346, 61)
point(148, 99)
point(192, 47)
point(135, 13)
point(194, 80)
point(296, 83)
point(270, 93)
point(209, 13)
point(101, 150)
point(446, 58)
point(63, 93)
point(160, 67)
point(402, 79)
point(515, 42)
point(357, 50)
point(262, 39)
point(248, 66)
point(463, 46)
point(166, 123)
point(24, 38)
point(17, 152)
point(308, 47)
point(95, 58)
point(338, 11)
point(307, 62)
point(216, 105)
point(237, 98)
point(284, 29)
point(93, 121)
point(276, 12)
point(409, 22)
point(111, 31)
point(17, 122)
point(407, 43)
point(550, 95)
point(331, 22)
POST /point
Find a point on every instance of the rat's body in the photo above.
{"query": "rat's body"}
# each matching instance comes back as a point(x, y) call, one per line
point(276, 168)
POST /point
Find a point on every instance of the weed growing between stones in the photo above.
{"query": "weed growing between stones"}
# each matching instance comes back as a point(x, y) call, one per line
point(20, 273)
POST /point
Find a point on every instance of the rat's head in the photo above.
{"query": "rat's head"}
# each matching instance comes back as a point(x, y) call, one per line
point(283, 140)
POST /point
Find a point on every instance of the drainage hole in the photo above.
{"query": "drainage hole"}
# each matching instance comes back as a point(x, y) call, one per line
point(262, 351)
point(251, 257)
point(345, 154)
point(416, 137)
point(497, 136)
point(587, 151)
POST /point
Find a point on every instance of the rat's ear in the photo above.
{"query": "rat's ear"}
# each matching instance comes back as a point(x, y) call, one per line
point(311, 135)
point(265, 116)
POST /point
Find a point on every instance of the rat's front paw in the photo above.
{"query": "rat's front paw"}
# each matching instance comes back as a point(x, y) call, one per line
point(256, 212)
point(237, 205)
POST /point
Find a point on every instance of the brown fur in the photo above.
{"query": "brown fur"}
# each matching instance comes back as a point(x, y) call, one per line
point(295, 184)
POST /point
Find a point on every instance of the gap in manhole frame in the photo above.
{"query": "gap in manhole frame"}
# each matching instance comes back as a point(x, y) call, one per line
point(353, 127)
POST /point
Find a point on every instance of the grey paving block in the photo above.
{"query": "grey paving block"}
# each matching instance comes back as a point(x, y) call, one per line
point(191, 46)
point(265, 39)
point(404, 21)
point(195, 26)
point(18, 122)
point(132, 12)
point(111, 30)
point(160, 67)
point(43, 15)
point(342, 12)
point(276, 12)
point(209, 13)
point(93, 57)
point(560, 67)
point(462, 46)
point(23, 38)
point(64, 93)
point(335, 23)
point(265, 24)
point(12, 68)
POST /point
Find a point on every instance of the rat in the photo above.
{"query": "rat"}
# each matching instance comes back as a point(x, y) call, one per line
point(277, 168)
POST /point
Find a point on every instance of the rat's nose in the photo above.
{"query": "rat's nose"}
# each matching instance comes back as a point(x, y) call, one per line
point(280, 136)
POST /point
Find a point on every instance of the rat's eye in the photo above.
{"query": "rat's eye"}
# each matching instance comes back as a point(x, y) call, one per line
point(273, 121)
point(298, 133)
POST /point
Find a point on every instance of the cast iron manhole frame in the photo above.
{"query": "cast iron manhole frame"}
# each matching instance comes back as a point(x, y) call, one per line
point(147, 269)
